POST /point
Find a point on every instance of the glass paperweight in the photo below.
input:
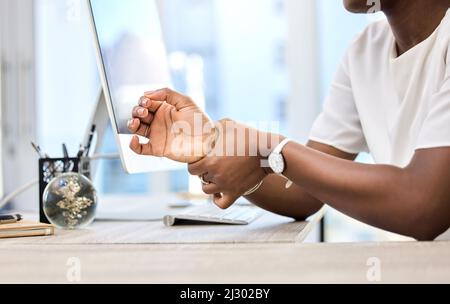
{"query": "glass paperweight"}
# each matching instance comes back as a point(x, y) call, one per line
point(70, 201)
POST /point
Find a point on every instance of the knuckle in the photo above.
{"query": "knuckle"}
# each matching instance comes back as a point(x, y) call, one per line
point(218, 178)
point(134, 149)
point(226, 120)
point(206, 190)
point(214, 163)
point(191, 170)
point(221, 205)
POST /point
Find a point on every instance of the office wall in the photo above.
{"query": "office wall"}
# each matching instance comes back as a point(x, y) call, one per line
point(250, 55)
point(2, 26)
point(18, 104)
point(67, 81)
point(304, 68)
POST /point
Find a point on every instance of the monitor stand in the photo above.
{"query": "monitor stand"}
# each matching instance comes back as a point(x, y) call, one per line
point(100, 119)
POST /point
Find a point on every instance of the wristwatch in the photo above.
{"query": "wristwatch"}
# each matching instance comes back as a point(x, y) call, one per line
point(277, 162)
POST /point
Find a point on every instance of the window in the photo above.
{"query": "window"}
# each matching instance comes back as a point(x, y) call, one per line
point(337, 30)
point(229, 61)
point(17, 99)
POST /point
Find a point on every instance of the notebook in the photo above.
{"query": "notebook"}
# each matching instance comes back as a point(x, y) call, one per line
point(25, 229)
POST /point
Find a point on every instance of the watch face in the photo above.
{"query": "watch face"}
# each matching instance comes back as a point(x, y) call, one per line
point(276, 163)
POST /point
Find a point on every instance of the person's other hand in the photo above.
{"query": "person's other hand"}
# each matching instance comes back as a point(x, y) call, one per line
point(236, 163)
point(175, 126)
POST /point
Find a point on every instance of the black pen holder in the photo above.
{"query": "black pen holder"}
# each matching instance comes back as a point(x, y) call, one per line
point(49, 168)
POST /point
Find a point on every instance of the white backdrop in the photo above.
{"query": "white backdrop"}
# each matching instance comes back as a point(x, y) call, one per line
point(18, 101)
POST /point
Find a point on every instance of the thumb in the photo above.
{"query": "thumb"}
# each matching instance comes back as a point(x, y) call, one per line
point(173, 98)
point(224, 201)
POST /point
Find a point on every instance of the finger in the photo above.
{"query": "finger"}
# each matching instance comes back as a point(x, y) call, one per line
point(173, 98)
point(134, 125)
point(140, 112)
point(136, 146)
point(224, 200)
point(142, 149)
point(210, 189)
point(144, 130)
point(198, 168)
point(151, 105)
point(209, 177)
point(143, 114)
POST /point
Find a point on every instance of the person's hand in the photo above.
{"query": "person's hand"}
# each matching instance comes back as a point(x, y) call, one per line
point(175, 126)
point(236, 164)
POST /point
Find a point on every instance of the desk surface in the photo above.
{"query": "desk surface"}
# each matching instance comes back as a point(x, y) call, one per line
point(232, 263)
point(269, 228)
point(268, 252)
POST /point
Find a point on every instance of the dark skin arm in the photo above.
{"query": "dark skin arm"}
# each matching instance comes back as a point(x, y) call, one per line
point(413, 201)
point(294, 202)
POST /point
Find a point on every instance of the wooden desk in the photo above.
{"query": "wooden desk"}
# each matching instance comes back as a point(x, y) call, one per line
point(269, 228)
point(266, 252)
point(232, 263)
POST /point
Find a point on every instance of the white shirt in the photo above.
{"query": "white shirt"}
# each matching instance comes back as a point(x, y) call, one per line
point(386, 104)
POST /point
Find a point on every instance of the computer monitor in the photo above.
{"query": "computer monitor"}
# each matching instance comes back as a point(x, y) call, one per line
point(1, 131)
point(132, 59)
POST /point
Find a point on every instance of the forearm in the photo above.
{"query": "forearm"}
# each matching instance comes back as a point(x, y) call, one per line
point(413, 201)
point(387, 197)
point(293, 202)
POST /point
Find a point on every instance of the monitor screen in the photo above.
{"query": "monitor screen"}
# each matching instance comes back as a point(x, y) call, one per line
point(133, 52)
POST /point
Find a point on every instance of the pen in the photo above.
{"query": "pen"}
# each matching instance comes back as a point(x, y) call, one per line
point(91, 137)
point(66, 158)
point(10, 219)
point(81, 151)
point(37, 149)
point(65, 152)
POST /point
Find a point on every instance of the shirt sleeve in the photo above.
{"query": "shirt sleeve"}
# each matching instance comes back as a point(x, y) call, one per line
point(339, 124)
point(435, 132)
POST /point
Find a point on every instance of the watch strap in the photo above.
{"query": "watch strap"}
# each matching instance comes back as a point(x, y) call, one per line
point(281, 146)
point(279, 150)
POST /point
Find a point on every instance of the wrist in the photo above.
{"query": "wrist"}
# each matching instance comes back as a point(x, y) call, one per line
point(211, 139)
point(254, 189)
point(268, 143)
point(277, 161)
point(235, 139)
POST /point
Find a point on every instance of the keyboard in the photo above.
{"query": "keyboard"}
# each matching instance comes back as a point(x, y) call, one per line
point(210, 214)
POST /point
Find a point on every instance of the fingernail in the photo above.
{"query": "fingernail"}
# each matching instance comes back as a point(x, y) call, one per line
point(149, 93)
point(144, 102)
point(141, 111)
point(130, 122)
